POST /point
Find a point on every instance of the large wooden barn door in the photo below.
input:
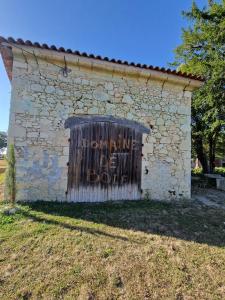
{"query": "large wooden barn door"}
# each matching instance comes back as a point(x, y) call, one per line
point(104, 162)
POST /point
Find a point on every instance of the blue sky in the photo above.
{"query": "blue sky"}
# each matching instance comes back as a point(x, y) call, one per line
point(144, 31)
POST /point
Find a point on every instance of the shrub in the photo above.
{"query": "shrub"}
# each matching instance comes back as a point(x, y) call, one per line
point(10, 179)
point(196, 171)
point(220, 170)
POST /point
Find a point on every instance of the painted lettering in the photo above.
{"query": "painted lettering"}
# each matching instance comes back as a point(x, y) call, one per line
point(103, 161)
point(92, 176)
point(105, 178)
point(112, 145)
point(113, 161)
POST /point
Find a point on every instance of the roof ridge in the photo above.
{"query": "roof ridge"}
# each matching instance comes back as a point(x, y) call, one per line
point(21, 42)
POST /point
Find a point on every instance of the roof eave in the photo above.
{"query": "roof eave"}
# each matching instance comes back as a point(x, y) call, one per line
point(99, 62)
point(7, 57)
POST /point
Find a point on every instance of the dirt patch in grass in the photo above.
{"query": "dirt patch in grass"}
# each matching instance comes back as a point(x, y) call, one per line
point(3, 164)
point(135, 250)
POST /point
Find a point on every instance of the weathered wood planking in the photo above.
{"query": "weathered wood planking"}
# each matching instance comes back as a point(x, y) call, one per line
point(104, 162)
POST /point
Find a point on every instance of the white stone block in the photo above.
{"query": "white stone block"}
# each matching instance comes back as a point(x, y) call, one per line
point(93, 110)
point(165, 140)
point(160, 121)
point(187, 94)
point(148, 148)
point(109, 86)
point(63, 160)
point(50, 90)
point(33, 134)
point(43, 135)
point(19, 131)
point(36, 87)
point(184, 110)
point(127, 99)
point(100, 96)
point(66, 151)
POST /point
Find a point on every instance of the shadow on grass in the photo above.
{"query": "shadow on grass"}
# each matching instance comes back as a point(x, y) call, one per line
point(188, 221)
point(89, 230)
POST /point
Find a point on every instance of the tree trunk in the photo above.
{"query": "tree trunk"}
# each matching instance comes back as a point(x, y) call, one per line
point(198, 144)
point(212, 154)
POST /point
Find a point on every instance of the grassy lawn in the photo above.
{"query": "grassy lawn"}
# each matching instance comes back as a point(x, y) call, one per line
point(138, 250)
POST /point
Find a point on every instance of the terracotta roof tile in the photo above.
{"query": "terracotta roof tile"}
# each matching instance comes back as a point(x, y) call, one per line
point(84, 54)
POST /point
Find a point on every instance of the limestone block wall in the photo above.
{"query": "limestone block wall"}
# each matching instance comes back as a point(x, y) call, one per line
point(42, 99)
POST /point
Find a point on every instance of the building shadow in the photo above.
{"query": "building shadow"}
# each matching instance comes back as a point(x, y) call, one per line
point(184, 220)
point(69, 226)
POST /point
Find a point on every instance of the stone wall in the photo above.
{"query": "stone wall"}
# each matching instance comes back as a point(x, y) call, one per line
point(42, 99)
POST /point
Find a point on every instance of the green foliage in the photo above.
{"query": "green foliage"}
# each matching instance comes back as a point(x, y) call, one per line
point(108, 252)
point(220, 170)
point(2, 178)
point(3, 139)
point(203, 53)
point(5, 220)
point(197, 171)
point(220, 147)
point(10, 179)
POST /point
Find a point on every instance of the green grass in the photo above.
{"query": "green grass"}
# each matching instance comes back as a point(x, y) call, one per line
point(131, 250)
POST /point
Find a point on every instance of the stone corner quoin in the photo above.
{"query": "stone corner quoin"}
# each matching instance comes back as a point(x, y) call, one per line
point(43, 98)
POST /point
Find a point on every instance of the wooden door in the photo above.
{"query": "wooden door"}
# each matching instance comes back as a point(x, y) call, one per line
point(104, 162)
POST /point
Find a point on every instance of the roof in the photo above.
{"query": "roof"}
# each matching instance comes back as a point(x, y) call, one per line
point(20, 42)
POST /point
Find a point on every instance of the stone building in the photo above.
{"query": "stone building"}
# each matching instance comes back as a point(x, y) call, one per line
point(87, 128)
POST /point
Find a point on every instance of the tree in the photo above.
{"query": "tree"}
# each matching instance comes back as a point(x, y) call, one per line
point(203, 53)
point(10, 180)
point(220, 145)
point(210, 2)
point(3, 139)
